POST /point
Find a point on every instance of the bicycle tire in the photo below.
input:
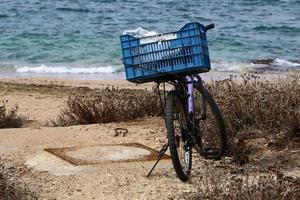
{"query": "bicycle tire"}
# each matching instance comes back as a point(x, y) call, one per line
point(219, 123)
point(174, 102)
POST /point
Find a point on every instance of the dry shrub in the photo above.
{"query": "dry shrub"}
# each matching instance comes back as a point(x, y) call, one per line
point(252, 103)
point(10, 188)
point(261, 187)
point(295, 126)
point(264, 105)
point(108, 106)
point(10, 118)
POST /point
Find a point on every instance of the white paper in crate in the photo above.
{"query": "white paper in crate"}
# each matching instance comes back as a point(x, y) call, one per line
point(139, 33)
point(149, 36)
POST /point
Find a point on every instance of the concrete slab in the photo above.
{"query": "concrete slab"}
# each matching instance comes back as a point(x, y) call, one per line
point(89, 155)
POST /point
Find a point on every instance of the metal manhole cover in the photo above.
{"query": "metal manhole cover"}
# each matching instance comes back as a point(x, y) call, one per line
point(90, 155)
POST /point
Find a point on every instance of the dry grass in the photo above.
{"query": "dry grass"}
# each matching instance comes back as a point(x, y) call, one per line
point(108, 106)
point(264, 105)
point(255, 104)
point(9, 118)
point(250, 186)
point(250, 103)
point(10, 188)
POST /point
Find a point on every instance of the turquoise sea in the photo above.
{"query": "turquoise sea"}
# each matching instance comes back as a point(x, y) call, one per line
point(82, 36)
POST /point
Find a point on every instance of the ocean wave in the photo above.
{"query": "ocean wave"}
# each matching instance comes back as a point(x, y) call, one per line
point(73, 10)
point(259, 66)
point(277, 28)
point(3, 16)
point(285, 63)
point(255, 66)
point(43, 69)
point(230, 66)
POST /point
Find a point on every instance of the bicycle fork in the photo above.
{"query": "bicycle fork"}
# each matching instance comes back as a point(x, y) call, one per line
point(190, 101)
point(194, 129)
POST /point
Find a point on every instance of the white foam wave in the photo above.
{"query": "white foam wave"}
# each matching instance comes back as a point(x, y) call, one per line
point(231, 66)
point(275, 65)
point(285, 64)
point(224, 66)
point(43, 69)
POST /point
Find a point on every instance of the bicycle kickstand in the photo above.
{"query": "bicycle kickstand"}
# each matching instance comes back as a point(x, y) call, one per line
point(160, 155)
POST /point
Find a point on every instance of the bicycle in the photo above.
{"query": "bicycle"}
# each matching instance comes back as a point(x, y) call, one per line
point(192, 117)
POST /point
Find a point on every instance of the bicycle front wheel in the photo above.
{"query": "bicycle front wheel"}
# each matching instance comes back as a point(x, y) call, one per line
point(176, 125)
point(213, 139)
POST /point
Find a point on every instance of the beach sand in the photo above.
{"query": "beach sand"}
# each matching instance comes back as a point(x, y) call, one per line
point(33, 171)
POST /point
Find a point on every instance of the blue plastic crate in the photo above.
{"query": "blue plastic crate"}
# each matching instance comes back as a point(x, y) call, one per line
point(162, 56)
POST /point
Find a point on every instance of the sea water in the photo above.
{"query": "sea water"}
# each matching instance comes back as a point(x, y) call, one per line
point(82, 37)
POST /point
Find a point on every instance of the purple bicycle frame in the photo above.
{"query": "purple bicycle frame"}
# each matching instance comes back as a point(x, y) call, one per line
point(190, 94)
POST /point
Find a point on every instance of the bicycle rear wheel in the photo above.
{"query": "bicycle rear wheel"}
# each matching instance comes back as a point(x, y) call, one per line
point(212, 140)
point(176, 125)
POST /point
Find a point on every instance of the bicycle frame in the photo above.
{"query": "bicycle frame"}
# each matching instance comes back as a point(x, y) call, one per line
point(191, 98)
point(193, 129)
point(186, 87)
point(190, 93)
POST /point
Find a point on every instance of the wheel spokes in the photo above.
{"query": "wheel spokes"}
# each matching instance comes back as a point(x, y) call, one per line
point(179, 131)
point(210, 134)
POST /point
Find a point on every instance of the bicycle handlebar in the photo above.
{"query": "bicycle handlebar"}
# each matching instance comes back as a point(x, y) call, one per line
point(209, 26)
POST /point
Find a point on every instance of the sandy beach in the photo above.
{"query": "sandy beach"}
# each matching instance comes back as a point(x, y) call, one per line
point(31, 170)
